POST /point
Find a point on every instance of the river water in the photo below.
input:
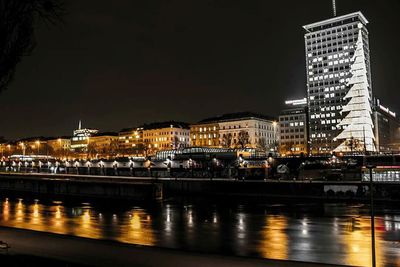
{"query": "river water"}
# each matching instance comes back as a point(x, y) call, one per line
point(326, 233)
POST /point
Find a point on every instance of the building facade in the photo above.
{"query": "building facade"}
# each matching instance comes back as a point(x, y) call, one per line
point(60, 146)
point(387, 129)
point(293, 124)
point(166, 135)
point(130, 141)
point(339, 91)
point(237, 130)
point(103, 145)
point(205, 134)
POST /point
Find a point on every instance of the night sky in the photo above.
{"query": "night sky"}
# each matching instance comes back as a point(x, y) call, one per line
point(117, 64)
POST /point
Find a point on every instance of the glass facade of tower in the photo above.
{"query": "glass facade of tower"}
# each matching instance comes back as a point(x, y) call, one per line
point(330, 46)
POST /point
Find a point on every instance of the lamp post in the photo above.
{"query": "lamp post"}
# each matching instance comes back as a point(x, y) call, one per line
point(23, 148)
point(38, 147)
point(371, 194)
point(274, 124)
point(61, 147)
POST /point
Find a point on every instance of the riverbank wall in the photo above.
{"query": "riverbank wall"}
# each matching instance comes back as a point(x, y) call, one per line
point(81, 186)
point(139, 188)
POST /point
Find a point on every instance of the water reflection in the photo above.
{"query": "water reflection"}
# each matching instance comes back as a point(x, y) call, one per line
point(6, 210)
point(20, 211)
point(358, 242)
point(274, 242)
point(138, 229)
point(329, 234)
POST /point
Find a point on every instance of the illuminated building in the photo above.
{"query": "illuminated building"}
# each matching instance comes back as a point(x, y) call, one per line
point(129, 140)
point(166, 135)
point(204, 134)
point(32, 146)
point(80, 138)
point(59, 144)
point(387, 129)
point(103, 144)
point(293, 123)
point(237, 130)
point(339, 84)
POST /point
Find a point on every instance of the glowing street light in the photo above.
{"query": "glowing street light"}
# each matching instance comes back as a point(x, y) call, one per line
point(275, 124)
point(38, 146)
point(22, 147)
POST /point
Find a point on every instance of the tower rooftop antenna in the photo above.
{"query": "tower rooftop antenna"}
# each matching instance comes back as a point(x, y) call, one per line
point(334, 7)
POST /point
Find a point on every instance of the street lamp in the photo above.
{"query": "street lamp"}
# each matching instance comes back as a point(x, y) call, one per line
point(38, 146)
point(274, 124)
point(371, 194)
point(23, 148)
point(61, 148)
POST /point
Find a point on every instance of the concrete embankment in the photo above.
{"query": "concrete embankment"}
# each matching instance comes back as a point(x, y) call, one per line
point(101, 187)
point(144, 188)
point(92, 252)
point(322, 190)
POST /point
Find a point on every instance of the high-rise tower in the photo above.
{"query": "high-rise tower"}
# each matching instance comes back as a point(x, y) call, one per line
point(339, 87)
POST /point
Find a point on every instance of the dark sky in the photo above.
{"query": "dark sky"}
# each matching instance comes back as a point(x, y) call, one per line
point(117, 64)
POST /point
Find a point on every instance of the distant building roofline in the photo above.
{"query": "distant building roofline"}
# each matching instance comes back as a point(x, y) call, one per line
point(337, 19)
point(105, 134)
point(165, 124)
point(236, 116)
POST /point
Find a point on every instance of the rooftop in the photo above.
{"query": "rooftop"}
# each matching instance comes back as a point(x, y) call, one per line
point(165, 124)
point(358, 14)
point(130, 129)
point(105, 134)
point(237, 116)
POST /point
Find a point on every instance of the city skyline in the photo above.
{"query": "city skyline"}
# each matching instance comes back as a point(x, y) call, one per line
point(111, 94)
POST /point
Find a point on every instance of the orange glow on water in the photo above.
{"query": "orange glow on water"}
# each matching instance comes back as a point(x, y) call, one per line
point(357, 241)
point(274, 243)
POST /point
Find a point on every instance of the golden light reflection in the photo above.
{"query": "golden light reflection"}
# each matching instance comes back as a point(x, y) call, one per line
point(58, 220)
point(139, 230)
point(86, 226)
point(35, 213)
point(274, 240)
point(86, 219)
point(20, 211)
point(6, 210)
point(357, 241)
point(135, 222)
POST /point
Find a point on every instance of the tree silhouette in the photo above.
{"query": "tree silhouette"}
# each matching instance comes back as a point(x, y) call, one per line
point(17, 22)
point(227, 140)
point(262, 144)
point(243, 139)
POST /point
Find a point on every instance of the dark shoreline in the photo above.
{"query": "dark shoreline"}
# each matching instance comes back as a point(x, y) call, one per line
point(32, 247)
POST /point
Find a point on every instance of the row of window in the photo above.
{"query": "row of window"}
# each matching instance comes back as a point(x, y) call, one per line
point(325, 102)
point(332, 38)
point(333, 31)
point(291, 118)
point(324, 46)
point(327, 89)
point(297, 130)
point(204, 129)
point(165, 133)
point(294, 142)
point(165, 139)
